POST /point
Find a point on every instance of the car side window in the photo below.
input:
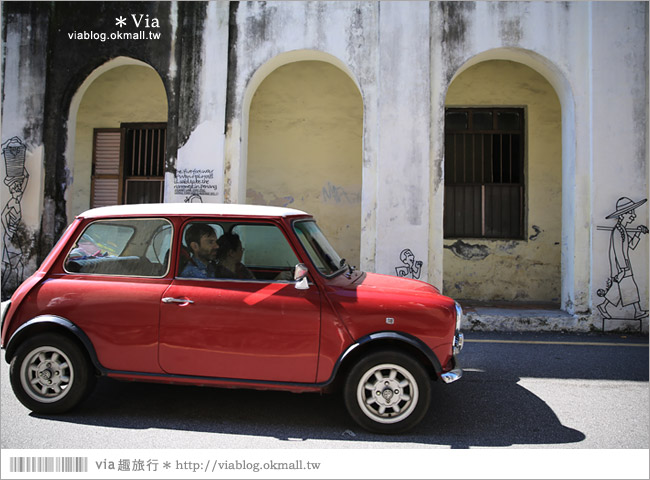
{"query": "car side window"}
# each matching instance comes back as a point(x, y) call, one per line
point(266, 249)
point(127, 247)
point(235, 251)
point(265, 246)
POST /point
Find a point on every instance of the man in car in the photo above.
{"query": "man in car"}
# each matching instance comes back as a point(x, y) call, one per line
point(202, 241)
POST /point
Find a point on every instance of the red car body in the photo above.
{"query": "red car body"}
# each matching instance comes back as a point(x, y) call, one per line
point(228, 332)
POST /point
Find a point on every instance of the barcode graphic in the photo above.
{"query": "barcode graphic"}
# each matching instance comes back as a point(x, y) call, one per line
point(48, 464)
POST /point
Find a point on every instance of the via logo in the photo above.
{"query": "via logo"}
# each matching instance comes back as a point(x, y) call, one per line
point(140, 20)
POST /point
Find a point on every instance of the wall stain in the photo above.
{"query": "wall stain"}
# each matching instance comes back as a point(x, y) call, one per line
point(257, 198)
point(511, 31)
point(537, 230)
point(454, 29)
point(337, 194)
point(508, 247)
point(231, 87)
point(467, 251)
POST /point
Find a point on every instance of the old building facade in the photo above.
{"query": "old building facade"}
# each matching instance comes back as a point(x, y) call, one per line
point(497, 150)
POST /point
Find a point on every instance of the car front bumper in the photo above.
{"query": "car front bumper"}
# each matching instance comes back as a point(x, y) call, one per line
point(456, 373)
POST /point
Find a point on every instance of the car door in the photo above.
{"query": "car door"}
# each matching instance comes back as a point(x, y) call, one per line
point(111, 287)
point(257, 329)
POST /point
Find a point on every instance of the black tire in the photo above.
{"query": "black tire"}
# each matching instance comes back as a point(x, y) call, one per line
point(387, 392)
point(50, 374)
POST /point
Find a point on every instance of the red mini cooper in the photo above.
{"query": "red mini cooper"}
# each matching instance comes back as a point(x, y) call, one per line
point(227, 296)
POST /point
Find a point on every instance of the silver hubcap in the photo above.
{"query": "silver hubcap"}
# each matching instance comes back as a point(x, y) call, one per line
point(387, 393)
point(46, 374)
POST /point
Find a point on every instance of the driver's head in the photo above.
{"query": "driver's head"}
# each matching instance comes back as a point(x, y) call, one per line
point(202, 240)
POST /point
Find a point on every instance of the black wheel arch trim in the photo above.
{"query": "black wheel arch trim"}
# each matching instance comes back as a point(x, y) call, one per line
point(44, 320)
point(393, 336)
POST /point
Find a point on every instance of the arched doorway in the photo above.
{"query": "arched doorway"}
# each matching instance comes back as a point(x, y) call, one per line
point(304, 150)
point(117, 143)
point(503, 185)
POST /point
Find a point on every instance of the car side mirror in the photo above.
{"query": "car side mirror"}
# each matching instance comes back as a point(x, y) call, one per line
point(300, 276)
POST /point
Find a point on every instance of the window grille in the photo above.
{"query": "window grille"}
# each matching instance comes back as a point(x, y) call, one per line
point(484, 173)
point(129, 164)
point(144, 162)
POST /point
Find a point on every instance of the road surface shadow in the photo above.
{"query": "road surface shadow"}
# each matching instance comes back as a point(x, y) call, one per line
point(486, 408)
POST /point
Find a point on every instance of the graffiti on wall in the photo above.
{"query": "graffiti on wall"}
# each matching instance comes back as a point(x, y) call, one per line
point(13, 266)
point(194, 183)
point(193, 198)
point(411, 268)
point(621, 289)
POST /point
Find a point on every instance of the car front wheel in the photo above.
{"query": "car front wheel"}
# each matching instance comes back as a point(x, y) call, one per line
point(387, 392)
point(50, 374)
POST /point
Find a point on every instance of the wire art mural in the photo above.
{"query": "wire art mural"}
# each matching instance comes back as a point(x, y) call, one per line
point(193, 198)
point(412, 268)
point(13, 152)
point(621, 289)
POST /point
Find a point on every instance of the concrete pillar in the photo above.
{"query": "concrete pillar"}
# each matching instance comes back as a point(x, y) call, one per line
point(199, 169)
point(404, 133)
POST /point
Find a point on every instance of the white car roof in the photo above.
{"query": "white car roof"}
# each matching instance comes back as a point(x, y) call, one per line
point(191, 209)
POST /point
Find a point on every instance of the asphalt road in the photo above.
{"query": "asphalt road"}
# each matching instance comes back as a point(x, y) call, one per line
point(557, 391)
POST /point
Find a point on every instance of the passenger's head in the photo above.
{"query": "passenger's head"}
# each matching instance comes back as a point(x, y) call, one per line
point(230, 247)
point(202, 240)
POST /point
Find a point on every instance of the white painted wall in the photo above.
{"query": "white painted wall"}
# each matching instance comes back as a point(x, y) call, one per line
point(403, 56)
point(272, 34)
point(200, 161)
point(404, 133)
point(619, 103)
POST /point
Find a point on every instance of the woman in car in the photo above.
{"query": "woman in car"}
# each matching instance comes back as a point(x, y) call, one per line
point(229, 257)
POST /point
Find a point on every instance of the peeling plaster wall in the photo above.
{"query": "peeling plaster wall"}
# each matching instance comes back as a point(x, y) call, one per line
point(403, 56)
point(595, 56)
point(555, 39)
point(267, 35)
point(196, 173)
point(71, 54)
point(384, 48)
point(23, 88)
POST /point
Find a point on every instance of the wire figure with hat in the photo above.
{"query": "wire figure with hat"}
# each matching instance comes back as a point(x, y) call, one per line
point(13, 151)
point(621, 288)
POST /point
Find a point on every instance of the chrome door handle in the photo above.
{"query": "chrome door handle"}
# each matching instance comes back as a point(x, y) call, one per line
point(176, 300)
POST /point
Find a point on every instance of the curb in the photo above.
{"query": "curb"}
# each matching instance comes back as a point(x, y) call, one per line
point(490, 319)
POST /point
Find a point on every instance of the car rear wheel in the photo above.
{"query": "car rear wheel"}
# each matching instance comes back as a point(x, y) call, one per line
point(387, 392)
point(50, 374)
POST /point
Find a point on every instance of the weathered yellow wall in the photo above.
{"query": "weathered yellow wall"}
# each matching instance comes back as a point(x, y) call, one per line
point(121, 95)
point(305, 148)
point(515, 270)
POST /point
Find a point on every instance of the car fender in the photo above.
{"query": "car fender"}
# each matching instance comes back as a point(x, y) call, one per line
point(50, 321)
point(390, 338)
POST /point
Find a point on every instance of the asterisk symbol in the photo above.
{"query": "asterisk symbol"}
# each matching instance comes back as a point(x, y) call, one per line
point(121, 21)
point(167, 465)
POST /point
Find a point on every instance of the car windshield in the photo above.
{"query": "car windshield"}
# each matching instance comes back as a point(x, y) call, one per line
point(319, 249)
